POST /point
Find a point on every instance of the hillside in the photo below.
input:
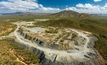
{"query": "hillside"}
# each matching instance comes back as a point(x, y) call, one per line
point(69, 13)
point(11, 54)
point(69, 19)
point(31, 16)
point(6, 27)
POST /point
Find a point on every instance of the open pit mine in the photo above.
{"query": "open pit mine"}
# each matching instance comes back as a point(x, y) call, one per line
point(58, 46)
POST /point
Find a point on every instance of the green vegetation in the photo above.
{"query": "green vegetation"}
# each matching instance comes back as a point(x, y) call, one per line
point(96, 25)
point(69, 14)
point(51, 30)
point(63, 47)
point(6, 27)
point(11, 54)
point(24, 17)
point(59, 23)
point(74, 36)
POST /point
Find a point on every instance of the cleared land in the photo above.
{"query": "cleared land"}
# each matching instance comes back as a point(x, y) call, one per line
point(79, 51)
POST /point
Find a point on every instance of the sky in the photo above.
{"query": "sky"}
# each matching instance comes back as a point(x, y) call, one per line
point(53, 6)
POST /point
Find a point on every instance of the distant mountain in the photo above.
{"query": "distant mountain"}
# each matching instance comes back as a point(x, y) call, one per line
point(62, 14)
point(23, 13)
point(0, 14)
point(15, 13)
point(98, 14)
point(70, 13)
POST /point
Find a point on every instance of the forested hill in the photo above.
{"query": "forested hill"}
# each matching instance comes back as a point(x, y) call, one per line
point(69, 13)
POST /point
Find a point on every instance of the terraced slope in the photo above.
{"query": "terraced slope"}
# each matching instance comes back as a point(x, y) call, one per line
point(85, 55)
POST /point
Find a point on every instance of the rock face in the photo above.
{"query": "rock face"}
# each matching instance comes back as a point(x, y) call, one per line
point(54, 58)
point(97, 60)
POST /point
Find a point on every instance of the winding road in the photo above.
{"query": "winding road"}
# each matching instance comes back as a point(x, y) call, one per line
point(75, 54)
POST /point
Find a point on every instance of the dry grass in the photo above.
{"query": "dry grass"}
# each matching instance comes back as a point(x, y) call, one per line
point(10, 54)
point(6, 27)
point(6, 56)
